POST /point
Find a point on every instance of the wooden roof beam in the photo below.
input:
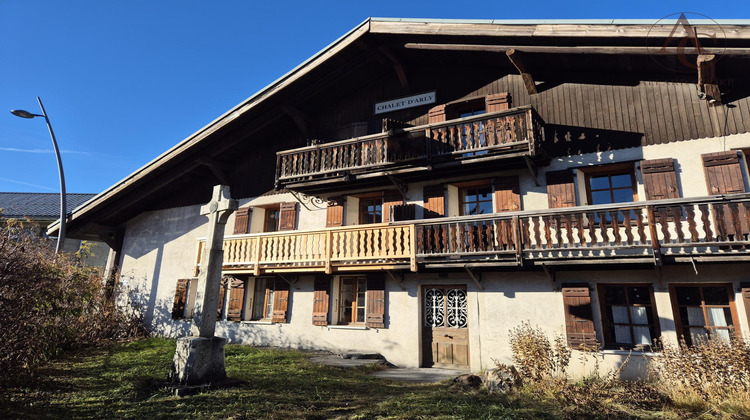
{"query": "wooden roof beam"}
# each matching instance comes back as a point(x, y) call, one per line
point(516, 58)
point(300, 119)
point(572, 49)
point(216, 169)
point(708, 83)
point(398, 66)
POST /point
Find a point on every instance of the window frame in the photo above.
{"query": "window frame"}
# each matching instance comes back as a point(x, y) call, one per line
point(374, 198)
point(252, 302)
point(340, 309)
point(475, 185)
point(610, 170)
point(735, 328)
point(269, 210)
point(608, 331)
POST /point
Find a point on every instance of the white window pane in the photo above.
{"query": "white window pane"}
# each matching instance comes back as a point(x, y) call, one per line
point(716, 317)
point(622, 334)
point(698, 334)
point(695, 316)
point(620, 314)
point(638, 313)
point(642, 335)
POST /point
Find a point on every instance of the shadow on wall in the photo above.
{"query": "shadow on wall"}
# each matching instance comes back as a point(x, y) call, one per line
point(566, 140)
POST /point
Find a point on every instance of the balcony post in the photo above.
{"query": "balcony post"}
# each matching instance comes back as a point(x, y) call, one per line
point(654, 236)
point(256, 257)
point(328, 251)
point(413, 246)
point(517, 240)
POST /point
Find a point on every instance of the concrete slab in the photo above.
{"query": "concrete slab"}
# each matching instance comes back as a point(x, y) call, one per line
point(338, 361)
point(418, 375)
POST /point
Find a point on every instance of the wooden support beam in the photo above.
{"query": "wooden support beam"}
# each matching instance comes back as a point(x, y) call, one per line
point(291, 279)
point(533, 170)
point(216, 169)
point(475, 275)
point(300, 119)
point(398, 66)
point(573, 49)
point(708, 84)
point(516, 58)
point(398, 277)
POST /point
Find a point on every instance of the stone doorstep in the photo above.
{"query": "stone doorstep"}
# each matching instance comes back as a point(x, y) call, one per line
point(185, 390)
point(360, 356)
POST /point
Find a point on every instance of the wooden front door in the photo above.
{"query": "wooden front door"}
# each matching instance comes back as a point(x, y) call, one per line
point(445, 327)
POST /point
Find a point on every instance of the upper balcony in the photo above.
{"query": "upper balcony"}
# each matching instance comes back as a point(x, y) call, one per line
point(464, 144)
point(688, 230)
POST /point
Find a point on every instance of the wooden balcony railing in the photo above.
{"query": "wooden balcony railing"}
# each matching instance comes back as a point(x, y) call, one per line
point(641, 232)
point(375, 246)
point(683, 230)
point(512, 132)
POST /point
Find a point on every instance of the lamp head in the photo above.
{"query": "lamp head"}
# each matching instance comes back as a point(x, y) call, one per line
point(24, 114)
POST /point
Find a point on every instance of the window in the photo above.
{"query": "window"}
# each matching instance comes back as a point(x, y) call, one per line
point(703, 311)
point(476, 199)
point(271, 220)
point(352, 300)
point(371, 209)
point(612, 184)
point(628, 316)
point(263, 299)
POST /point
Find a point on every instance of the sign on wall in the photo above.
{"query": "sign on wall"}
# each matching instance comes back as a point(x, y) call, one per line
point(403, 103)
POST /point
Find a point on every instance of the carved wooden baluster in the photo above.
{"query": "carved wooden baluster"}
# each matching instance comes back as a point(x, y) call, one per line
point(593, 240)
point(489, 132)
point(452, 245)
point(568, 225)
point(628, 224)
point(548, 232)
point(734, 215)
point(476, 132)
point(745, 215)
point(721, 222)
point(663, 217)
point(642, 239)
point(557, 224)
point(436, 238)
point(677, 217)
point(579, 226)
point(537, 233)
point(500, 241)
point(421, 245)
point(603, 227)
point(615, 222)
point(706, 222)
point(461, 239)
point(444, 238)
point(690, 212)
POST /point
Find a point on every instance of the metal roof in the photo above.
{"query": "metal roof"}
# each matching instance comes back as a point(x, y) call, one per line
point(41, 206)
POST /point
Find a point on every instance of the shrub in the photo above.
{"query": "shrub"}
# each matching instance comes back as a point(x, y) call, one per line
point(715, 372)
point(50, 302)
point(535, 357)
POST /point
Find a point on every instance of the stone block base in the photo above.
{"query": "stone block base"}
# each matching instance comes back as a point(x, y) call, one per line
point(198, 361)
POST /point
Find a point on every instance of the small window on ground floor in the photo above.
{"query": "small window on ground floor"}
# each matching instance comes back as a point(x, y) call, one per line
point(357, 300)
point(628, 316)
point(704, 311)
point(352, 300)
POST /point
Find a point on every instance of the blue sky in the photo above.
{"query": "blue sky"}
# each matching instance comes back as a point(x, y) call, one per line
point(124, 81)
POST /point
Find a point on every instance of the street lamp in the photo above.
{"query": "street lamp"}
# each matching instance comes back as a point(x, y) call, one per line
point(63, 197)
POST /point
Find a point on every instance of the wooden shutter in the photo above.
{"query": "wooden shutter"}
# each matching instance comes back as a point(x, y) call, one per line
point(321, 300)
point(242, 220)
point(390, 199)
point(375, 317)
point(222, 295)
point(335, 212)
point(180, 299)
point(659, 179)
point(561, 190)
point(436, 114)
point(745, 290)
point(288, 216)
point(507, 194)
point(280, 301)
point(236, 300)
point(497, 102)
point(579, 318)
point(723, 173)
point(433, 197)
point(404, 212)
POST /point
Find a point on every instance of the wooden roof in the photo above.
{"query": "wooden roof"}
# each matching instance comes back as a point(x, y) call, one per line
point(238, 147)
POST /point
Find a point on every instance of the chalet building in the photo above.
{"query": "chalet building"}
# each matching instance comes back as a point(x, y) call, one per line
point(420, 187)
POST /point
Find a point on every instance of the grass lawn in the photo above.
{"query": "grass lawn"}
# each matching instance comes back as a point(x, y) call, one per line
point(129, 381)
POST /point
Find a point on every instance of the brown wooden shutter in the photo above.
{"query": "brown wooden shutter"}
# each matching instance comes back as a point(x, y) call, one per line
point(375, 317)
point(579, 317)
point(745, 290)
point(242, 220)
point(335, 212)
point(390, 199)
point(180, 299)
point(497, 102)
point(280, 301)
point(659, 179)
point(507, 194)
point(723, 173)
point(433, 197)
point(436, 114)
point(404, 212)
point(321, 300)
point(236, 300)
point(561, 190)
point(222, 295)
point(288, 216)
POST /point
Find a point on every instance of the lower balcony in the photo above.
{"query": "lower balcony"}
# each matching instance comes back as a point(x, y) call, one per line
point(704, 229)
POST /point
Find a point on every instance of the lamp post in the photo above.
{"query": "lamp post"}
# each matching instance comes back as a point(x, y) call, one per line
point(63, 197)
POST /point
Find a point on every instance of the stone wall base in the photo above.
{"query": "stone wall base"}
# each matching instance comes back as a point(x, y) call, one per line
point(198, 361)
